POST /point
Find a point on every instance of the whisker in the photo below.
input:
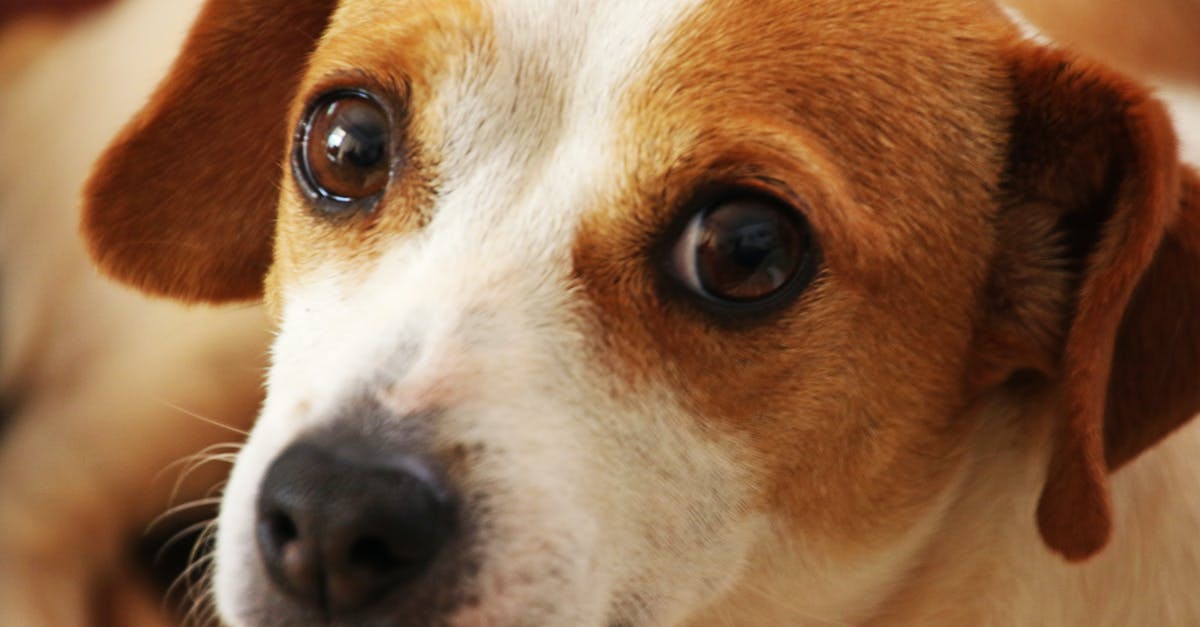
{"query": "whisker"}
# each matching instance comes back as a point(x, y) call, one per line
point(179, 536)
point(206, 538)
point(193, 569)
point(207, 499)
point(223, 458)
point(202, 418)
point(192, 584)
point(194, 462)
point(188, 587)
point(217, 489)
point(202, 454)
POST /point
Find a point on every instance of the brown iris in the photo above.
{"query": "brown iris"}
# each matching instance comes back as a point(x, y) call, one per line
point(343, 149)
point(741, 251)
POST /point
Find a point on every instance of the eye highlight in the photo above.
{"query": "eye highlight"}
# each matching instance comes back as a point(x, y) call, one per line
point(342, 157)
point(743, 254)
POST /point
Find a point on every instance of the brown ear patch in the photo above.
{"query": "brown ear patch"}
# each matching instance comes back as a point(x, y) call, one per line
point(1155, 384)
point(183, 202)
point(1097, 150)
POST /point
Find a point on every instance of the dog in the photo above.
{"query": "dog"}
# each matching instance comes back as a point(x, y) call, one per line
point(98, 384)
point(695, 313)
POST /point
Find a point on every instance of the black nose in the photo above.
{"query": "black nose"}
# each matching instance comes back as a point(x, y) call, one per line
point(341, 526)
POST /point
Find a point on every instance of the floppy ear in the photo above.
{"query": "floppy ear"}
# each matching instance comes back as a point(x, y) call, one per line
point(182, 203)
point(1094, 157)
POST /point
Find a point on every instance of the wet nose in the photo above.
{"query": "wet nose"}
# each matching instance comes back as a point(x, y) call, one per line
point(341, 526)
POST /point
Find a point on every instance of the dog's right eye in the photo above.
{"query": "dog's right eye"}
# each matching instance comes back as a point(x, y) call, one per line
point(342, 155)
point(743, 254)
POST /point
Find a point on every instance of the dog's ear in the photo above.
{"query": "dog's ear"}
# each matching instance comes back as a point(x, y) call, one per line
point(182, 204)
point(1106, 225)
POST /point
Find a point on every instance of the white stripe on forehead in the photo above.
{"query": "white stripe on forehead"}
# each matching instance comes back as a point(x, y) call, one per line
point(530, 122)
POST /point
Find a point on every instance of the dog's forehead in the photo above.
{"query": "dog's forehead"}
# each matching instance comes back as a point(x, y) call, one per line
point(544, 112)
point(486, 68)
point(523, 75)
point(563, 37)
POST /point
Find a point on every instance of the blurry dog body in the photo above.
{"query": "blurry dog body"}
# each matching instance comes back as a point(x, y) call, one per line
point(96, 380)
point(1153, 39)
point(875, 450)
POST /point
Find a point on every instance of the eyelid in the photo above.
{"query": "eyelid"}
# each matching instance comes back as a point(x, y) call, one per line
point(393, 94)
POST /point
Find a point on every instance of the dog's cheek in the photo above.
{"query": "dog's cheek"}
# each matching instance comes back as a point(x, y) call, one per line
point(588, 506)
point(679, 506)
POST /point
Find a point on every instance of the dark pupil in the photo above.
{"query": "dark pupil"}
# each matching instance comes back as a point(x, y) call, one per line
point(348, 148)
point(357, 139)
point(747, 251)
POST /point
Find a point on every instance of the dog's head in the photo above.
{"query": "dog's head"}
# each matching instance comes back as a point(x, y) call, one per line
point(589, 311)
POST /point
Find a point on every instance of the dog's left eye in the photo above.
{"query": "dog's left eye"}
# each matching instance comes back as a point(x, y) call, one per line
point(743, 253)
point(342, 155)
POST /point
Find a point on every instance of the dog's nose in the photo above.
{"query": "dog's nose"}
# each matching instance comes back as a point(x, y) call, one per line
point(341, 526)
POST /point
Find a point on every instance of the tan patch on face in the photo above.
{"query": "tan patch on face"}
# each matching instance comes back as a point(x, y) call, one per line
point(400, 52)
point(885, 125)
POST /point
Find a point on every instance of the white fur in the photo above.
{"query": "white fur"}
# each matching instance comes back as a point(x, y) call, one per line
point(989, 566)
point(1028, 30)
point(1184, 106)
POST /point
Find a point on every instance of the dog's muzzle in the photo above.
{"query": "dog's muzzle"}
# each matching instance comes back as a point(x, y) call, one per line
point(343, 524)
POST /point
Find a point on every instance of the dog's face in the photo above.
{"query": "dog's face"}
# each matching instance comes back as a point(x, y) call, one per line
point(590, 312)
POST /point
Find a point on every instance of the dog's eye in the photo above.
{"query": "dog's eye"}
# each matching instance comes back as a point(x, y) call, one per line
point(342, 152)
point(743, 252)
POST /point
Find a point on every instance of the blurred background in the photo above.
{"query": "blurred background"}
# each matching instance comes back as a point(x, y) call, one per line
point(11, 9)
point(119, 414)
point(1156, 39)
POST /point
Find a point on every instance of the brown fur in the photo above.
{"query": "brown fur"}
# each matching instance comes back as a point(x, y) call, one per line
point(845, 367)
point(1094, 149)
point(1122, 161)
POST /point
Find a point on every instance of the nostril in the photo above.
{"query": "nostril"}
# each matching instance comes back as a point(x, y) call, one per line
point(280, 528)
point(292, 560)
point(372, 553)
point(391, 555)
